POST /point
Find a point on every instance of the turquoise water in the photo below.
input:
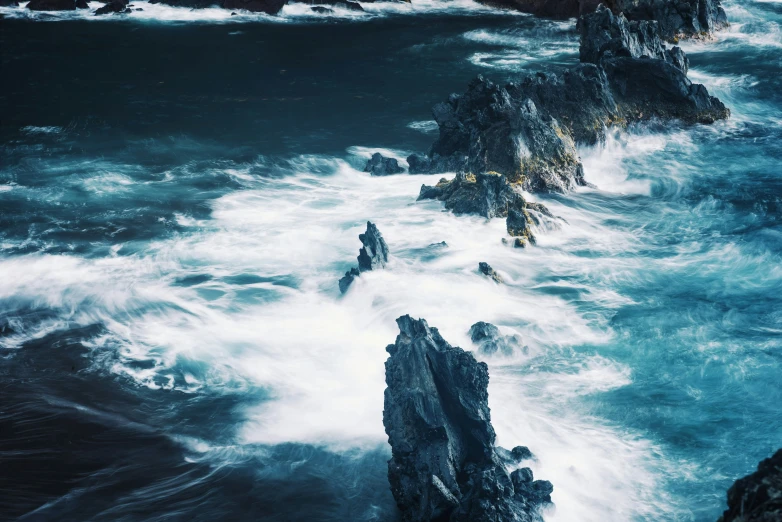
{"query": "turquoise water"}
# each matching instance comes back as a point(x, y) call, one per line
point(180, 192)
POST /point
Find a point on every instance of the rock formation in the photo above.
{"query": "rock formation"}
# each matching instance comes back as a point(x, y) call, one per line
point(488, 271)
point(490, 341)
point(115, 6)
point(528, 130)
point(373, 255)
point(444, 465)
point(677, 18)
point(379, 165)
point(57, 5)
point(489, 195)
point(255, 6)
point(757, 497)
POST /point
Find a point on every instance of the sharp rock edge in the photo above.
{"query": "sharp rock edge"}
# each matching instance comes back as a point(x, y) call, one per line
point(444, 464)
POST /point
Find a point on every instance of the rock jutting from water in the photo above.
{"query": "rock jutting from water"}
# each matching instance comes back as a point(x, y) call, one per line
point(57, 5)
point(491, 341)
point(444, 465)
point(486, 269)
point(676, 18)
point(489, 195)
point(528, 130)
point(758, 496)
point(115, 6)
point(379, 165)
point(371, 256)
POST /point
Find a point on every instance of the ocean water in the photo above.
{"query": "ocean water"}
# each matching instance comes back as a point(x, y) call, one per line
point(181, 190)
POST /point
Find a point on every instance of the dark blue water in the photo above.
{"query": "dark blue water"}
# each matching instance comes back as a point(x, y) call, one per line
point(180, 191)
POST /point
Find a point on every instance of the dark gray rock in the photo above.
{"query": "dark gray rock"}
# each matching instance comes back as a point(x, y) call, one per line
point(490, 341)
point(344, 4)
point(444, 466)
point(255, 6)
point(489, 195)
point(379, 165)
point(115, 6)
point(676, 18)
point(758, 496)
point(371, 256)
point(605, 34)
point(488, 271)
point(57, 5)
point(528, 129)
point(321, 10)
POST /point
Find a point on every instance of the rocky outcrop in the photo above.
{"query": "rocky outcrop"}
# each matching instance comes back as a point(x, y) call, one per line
point(486, 269)
point(677, 18)
point(491, 341)
point(379, 165)
point(527, 130)
point(489, 195)
point(604, 34)
point(115, 6)
point(757, 497)
point(57, 5)
point(373, 255)
point(255, 6)
point(444, 466)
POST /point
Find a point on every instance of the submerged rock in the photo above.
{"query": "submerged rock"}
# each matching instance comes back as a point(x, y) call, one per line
point(758, 496)
point(379, 165)
point(371, 256)
point(488, 271)
point(344, 4)
point(489, 195)
point(444, 465)
point(490, 341)
point(528, 130)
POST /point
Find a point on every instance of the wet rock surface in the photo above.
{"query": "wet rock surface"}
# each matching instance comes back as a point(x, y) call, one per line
point(379, 165)
point(371, 256)
point(57, 5)
point(488, 271)
point(255, 6)
point(489, 195)
point(444, 465)
point(528, 130)
point(758, 496)
point(115, 6)
point(491, 341)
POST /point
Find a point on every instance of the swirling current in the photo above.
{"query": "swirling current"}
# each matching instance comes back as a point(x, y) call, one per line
point(181, 190)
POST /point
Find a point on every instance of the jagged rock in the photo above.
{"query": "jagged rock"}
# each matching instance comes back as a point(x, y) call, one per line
point(344, 4)
point(321, 10)
point(255, 6)
point(115, 6)
point(490, 341)
point(489, 195)
point(677, 18)
point(488, 271)
point(527, 130)
point(606, 34)
point(371, 256)
point(757, 497)
point(444, 466)
point(379, 165)
point(57, 5)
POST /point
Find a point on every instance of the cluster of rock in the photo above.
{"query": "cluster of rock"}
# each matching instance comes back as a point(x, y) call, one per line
point(676, 18)
point(528, 130)
point(444, 463)
point(379, 165)
point(371, 256)
point(757, 497)
point(489, 195)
